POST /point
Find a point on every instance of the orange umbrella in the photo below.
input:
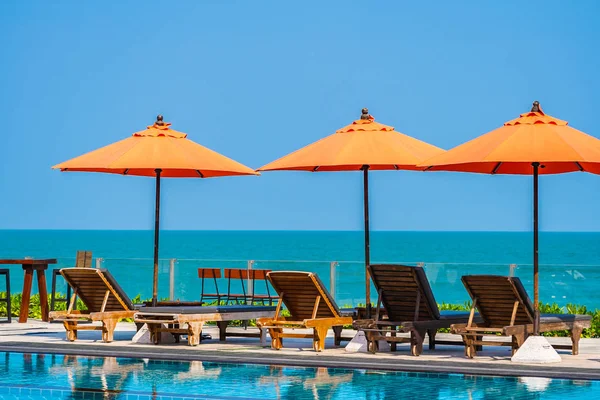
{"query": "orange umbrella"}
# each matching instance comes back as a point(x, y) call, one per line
point(157, 151)
point(361, 146)
point(533, 144)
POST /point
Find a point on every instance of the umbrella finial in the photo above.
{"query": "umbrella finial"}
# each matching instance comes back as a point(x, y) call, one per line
point(536, 106)
point(365, 114)
point(159, 120)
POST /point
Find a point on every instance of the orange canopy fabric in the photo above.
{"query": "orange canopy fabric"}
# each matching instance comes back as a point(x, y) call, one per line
point(512, 148)
point(363, 142)
point(157, 147)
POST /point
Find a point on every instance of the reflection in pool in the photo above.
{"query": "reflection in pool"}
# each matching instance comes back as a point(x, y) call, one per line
point(37, 376)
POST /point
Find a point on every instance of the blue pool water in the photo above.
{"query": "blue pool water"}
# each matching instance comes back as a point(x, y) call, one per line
point(43, 376)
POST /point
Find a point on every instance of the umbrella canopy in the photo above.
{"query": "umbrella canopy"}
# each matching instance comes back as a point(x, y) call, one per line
point(157, 147)
point(361, 146)
point(533, 144)
point(157, 151)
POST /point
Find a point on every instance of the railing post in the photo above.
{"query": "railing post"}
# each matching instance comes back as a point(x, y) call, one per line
point(99, 261)
point(250, 282)
point(512, 268)
point(332, 266)
point(172, 279)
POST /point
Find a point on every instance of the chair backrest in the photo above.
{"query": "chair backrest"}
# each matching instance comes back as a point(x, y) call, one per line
point(300, 290)
point(209, 274)
point(259, 274)
point(400, 285)
point(236, 273)
point(496, 296)
point(83, 259)
point(91, 285)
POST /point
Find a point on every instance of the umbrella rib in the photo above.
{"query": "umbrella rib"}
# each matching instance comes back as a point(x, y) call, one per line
point(200, 173)
point(126, 171)
point(569, 145)
point(315, 169)
point(496, 168)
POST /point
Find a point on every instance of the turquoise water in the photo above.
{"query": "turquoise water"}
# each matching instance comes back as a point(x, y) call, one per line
point(40, 376)
point(569, 273)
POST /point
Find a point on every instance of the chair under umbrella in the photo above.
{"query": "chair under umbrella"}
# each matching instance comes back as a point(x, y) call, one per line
point(533, 144)
point(363, 145)
point(157, 151)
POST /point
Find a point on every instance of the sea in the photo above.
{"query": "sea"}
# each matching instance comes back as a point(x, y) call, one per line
point(569, 261)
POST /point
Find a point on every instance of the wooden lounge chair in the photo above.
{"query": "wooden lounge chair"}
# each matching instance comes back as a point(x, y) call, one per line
point(406, 296)
point(104, 298)
point(310, 306)
point(505, 309)
point(189, 320)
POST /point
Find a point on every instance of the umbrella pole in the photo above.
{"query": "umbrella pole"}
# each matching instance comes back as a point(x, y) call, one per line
point(367, 243)
point(156, 230)
point(536, 306)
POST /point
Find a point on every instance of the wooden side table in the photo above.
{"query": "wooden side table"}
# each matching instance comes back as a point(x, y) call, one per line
point(29, 266)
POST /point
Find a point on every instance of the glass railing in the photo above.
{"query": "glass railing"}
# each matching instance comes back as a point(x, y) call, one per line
point(178, 278)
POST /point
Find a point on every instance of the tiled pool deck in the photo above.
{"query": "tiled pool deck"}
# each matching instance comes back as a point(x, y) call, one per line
point(40, 337)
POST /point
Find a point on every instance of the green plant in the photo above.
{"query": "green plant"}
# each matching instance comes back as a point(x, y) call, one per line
point(466, 306)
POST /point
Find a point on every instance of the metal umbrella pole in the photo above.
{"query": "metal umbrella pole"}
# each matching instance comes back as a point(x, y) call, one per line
point(156, 234)
point(365, 169)
point(536, 300)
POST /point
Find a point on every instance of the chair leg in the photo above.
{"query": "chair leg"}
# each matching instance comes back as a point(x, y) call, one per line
point(53, 291)
point(417, 337)
point(320, 333)
point(276, 339)
point(575, 336)
point(431, 334)
point(194, 333)
point(337, 335)
point(53, 299)
point(222, 330)
point(108, 329)
point(71, 329)
point(372, 344)
point(469, 346)
point(8, 305)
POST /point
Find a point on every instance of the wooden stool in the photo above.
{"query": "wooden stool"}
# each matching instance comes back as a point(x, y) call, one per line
point(6, 300)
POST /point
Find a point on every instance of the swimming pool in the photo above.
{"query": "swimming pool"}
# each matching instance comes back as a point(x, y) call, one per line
point(38, 376)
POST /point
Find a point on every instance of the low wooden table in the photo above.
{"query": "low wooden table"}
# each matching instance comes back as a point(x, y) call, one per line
point(30, 265)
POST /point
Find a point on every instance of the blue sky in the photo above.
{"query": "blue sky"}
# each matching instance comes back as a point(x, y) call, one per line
point(247, 79)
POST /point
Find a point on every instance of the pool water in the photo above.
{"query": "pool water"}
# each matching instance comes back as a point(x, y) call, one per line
point(45, 376)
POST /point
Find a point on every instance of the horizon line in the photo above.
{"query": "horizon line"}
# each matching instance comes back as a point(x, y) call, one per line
point(290, 230)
